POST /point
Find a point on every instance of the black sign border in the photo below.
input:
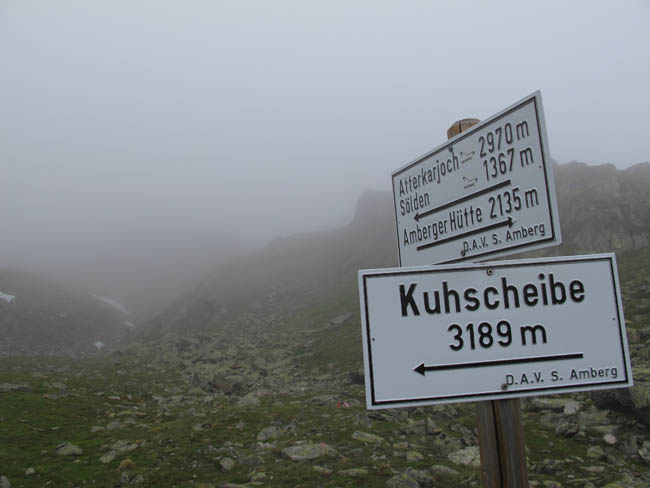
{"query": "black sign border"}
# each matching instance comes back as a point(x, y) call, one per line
point(497, 393)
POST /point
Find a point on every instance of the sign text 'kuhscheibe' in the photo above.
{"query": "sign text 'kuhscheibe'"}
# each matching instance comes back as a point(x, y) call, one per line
point(487, 192)
point(470, 332)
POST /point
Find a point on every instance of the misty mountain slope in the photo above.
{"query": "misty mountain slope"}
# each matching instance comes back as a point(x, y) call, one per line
point(286, 320)
point(292, 271)
point(602, 209)
point(41, 316)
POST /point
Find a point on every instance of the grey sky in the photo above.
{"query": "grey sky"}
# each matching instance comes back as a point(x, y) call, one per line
point(148, 129)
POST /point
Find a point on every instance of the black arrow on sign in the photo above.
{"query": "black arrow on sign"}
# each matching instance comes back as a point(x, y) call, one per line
point(469, 196)
point(509, 222)
point(421, 368)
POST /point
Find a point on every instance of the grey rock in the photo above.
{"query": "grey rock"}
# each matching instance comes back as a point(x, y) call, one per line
point(567, 428)
point(108, 457)
point(68, 449)
point(630, 445)
point(265, 445)
point(640, 394)
point(595, 417)
point(595, 452)
point(11, 387)
point(30, 471)
point(440, 469)
point(541, 403)
point(551, 484)
point(356, 377)
point(227, 463)
point(448, 443)
point(413, 457)
point(549, 466)
point(253, 460)
point(114, 425)
point(431, 426)
point(415, 427)
point(271, 432)
point(572, 407)
point(307, 452)
point(258, 476)
point(4, 482)
point(468, 456)
point(322, 470)
point(354, 472)
point(609, 439)
point(410, 478)
point(124, 446)
point(402, 481)
point(644, 452)
point(249, 400)
point(368, 438)
point(201, 427)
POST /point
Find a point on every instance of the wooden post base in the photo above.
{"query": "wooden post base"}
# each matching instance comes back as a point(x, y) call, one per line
point(501, 441)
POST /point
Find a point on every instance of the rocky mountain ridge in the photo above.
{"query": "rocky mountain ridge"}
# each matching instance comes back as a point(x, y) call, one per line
point(602, 209)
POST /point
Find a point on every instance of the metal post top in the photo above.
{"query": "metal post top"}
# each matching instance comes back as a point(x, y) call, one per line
point(461, 125)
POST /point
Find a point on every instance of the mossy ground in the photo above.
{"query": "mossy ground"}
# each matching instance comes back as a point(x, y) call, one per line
point(160, 412)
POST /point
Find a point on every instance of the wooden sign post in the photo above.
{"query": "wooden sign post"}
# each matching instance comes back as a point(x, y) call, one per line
point(500, 429)
point(484, 194)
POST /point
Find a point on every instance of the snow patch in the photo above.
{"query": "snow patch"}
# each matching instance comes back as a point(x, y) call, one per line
point(7, 298)
point(99, 345)
point(130, 324)
point(113, 303)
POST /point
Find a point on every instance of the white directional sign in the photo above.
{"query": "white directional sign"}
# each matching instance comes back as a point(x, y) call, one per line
point(468, 332)
point(487, 192)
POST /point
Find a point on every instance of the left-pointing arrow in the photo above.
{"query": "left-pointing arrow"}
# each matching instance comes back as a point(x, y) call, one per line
point(462, 199)
point(421, 368)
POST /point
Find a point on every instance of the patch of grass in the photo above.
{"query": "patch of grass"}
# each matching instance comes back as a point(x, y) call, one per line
point(183, 433)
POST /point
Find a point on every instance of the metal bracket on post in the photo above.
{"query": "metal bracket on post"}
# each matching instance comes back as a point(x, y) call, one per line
point(500, 429)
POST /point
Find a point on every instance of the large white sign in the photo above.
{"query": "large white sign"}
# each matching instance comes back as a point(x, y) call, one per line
point(485, 193)
point(470, 332)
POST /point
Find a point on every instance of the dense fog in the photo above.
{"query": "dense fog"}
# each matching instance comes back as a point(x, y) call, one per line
point(143, 143)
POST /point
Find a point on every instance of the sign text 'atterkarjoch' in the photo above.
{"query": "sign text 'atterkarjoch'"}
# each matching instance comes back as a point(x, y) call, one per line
point(469, 332)
point(487, 192)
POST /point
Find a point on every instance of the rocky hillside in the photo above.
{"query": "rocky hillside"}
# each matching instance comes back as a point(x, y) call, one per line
point(282, 327)
point(294, 306)
point(40, 316)
point(291, 273)
point(602, 209)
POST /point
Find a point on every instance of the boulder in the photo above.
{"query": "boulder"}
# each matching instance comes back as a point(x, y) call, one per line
point(468, 456)
point(410, 478)
point(307, 452)
point(68, 449)
point(366, 437)
point(10, 387)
